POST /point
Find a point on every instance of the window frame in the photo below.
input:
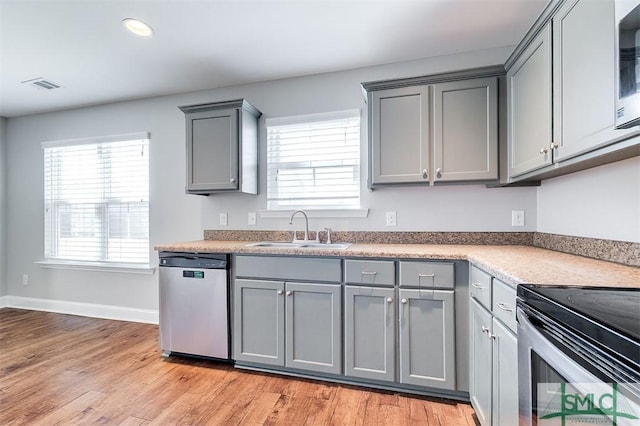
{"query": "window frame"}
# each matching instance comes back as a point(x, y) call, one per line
point(103, 205)
point(276, 206)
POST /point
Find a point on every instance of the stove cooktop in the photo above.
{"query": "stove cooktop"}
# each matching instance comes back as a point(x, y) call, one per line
point(608, 316)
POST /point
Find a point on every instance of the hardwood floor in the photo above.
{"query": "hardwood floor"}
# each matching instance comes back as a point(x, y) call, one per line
point(64, 369)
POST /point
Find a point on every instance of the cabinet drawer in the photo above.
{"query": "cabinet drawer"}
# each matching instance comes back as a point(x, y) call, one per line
point(480, 287)
point(289, 268)
point(369, 272)
point(504, 303)
point(426, 274)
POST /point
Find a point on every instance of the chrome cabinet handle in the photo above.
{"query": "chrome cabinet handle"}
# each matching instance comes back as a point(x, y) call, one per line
point(369, 273)
point(233, 180)
point(289, 293)
point(505, 307)
point(426, 275)
point(425, 174)
point(554, 145)
point(491, 336)
point(280, 292)
point(544, 150)
point(485, 329)
point(476, 285)
point(438, 172)
point(389, 299)
point(404, 301)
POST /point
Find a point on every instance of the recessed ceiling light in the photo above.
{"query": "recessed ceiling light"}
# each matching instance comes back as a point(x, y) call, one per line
point(137, 27)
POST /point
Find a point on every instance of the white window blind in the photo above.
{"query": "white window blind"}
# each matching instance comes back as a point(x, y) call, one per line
point(96, 199)
point(313, 161)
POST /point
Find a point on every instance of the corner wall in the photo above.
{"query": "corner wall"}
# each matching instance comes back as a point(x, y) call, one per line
point(603, 202)
point(3, 208)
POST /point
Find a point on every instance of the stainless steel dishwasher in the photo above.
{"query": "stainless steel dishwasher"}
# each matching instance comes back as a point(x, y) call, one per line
point(194, 304)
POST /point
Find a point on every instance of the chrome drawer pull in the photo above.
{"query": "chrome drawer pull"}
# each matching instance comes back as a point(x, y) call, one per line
point(426, 275)
point(369, 273)
point(505, 307)
point(476, 285)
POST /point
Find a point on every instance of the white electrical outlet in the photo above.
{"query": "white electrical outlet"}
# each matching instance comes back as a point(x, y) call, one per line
point(223, 219)
point(251, 218)
point(25, 279)
point(517, 217)
point(391, 219)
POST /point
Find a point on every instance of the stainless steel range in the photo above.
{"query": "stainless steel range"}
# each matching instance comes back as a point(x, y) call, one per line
point(578, 355)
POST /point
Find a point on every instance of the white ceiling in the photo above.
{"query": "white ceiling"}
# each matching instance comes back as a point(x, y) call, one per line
point(204, 44)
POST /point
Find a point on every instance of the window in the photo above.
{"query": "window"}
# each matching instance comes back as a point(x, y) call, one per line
point(313, 161)
point(96, 199)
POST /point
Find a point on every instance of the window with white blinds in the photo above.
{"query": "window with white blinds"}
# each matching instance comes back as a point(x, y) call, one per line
point(96, 199)
point(313, 161)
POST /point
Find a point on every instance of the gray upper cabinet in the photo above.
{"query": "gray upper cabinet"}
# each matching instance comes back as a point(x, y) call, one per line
point(432, 129)
point(529, 107)
point(427, 338)
point(465, 129)
point(369, 323)
point(222, 147)
point(561, 94)
point(583, 77)
point(399, 135)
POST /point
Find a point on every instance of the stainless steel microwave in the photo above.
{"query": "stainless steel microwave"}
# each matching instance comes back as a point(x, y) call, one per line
point(627, 13)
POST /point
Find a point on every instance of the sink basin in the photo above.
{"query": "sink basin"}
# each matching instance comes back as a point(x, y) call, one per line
point(300, 245)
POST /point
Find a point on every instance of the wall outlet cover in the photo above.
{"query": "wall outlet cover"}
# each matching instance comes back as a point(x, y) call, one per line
point(517, 217)
point(223, 219)
point(251, 218)
point(391, 219)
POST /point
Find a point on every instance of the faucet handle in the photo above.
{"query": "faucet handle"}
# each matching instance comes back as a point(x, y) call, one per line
point(328, 235)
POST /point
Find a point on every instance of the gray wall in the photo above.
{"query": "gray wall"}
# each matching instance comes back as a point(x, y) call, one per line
point(3, 207)
point(603, 202)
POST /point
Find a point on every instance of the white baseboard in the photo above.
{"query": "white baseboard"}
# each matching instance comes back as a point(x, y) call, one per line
point(93, 310)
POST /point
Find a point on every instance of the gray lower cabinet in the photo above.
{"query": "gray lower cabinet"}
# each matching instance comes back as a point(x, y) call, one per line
point(427, 338)
point(313, 327)
point(505, 366)
point(481, 351)
point(493, 382)
point(259, 321)
point(369, 324)
point(295, 325)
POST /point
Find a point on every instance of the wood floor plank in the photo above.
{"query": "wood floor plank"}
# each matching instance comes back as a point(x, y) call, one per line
point(64, 369)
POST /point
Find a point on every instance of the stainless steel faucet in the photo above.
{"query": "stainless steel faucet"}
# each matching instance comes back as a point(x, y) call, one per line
point(306, 224)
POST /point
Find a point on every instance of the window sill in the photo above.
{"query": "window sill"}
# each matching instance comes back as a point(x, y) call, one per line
point(321, 213)
point(97, 266)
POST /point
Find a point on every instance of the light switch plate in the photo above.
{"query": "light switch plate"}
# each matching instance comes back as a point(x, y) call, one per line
point(517, 217)
point(223, 219)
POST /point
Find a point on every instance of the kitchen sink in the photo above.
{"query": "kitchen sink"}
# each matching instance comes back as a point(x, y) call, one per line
point(300, 245)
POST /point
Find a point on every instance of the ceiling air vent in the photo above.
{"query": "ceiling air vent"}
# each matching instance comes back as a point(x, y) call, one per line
point(42, 83)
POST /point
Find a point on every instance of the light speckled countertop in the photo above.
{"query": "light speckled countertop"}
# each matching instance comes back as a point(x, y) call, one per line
point(512, 264)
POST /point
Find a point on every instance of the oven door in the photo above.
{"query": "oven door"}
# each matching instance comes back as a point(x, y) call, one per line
point(554, 388)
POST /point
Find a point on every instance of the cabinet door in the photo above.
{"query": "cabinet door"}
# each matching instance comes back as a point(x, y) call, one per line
point(369, 326)
point(399, 135)
point(314, 327)
point(259, 321)
point(480, 349)
point(427, 333)
point(466, 130)
point(584, 76)
point(212, 150)
point(529, 107)
point(505, 382)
